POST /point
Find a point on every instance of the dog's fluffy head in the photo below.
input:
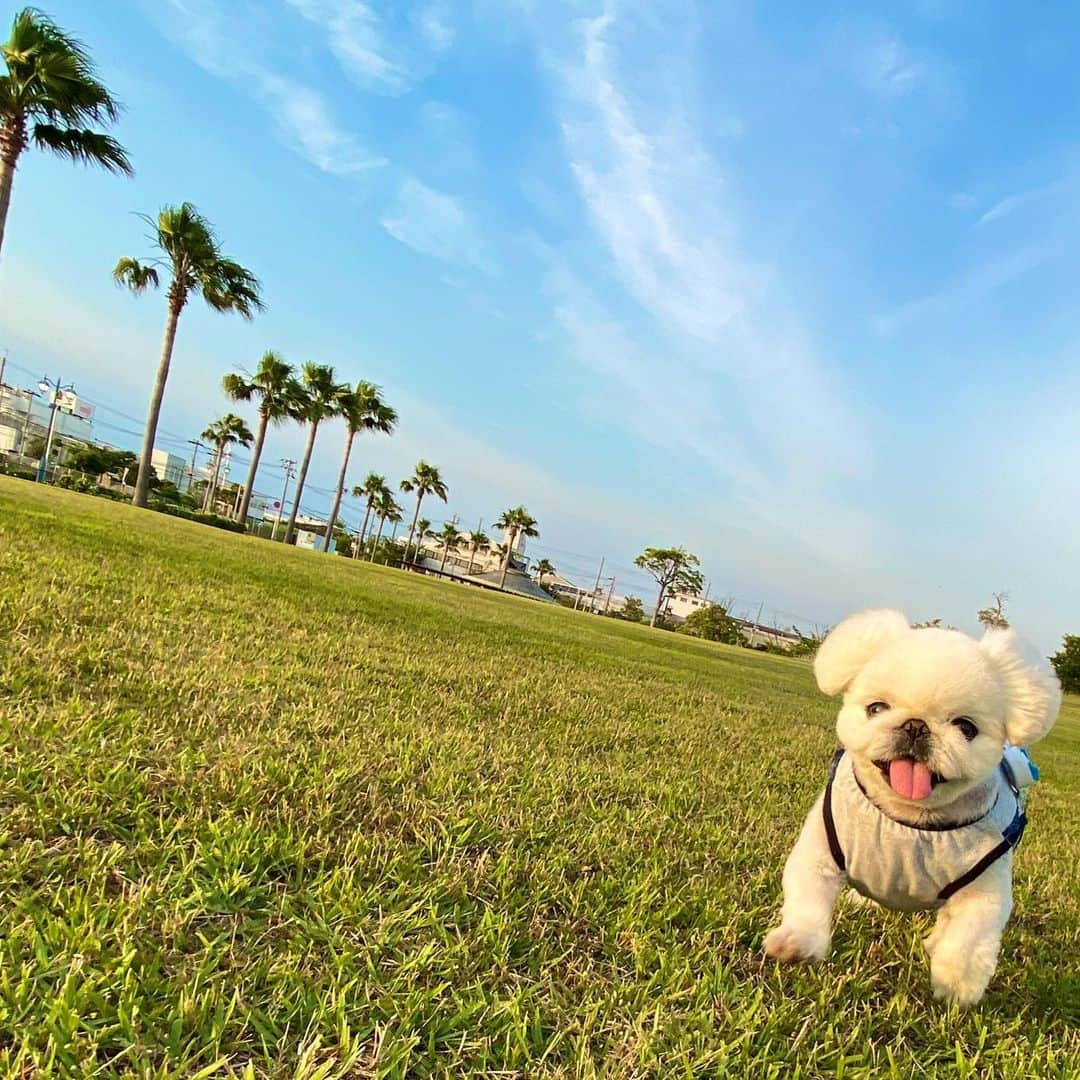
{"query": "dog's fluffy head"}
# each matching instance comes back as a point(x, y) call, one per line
point(930, 700)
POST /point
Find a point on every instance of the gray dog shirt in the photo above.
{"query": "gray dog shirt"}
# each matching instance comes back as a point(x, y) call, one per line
point(912, 868)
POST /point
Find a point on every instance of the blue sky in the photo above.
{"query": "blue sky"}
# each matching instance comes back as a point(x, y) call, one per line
point(790, 285)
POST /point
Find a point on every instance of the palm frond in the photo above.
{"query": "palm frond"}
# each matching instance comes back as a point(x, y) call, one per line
point(228, 286)
point(135, 275)
point(84, 146)
point(52, 76)
point(237, 387)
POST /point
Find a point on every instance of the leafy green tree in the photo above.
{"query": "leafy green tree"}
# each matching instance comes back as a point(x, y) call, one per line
point(449, 535)
point(633, 610)
point(713, 623)
point(425, 480)
point(993, 617)
point(370, 490)
point(192, 256)
point(1066, 664)
point(673, 570)
point(477, 540)
point(51, 95)
point(276, 391)
point(363, 410)
point(230, 430)
point(98, 460)
point(319, 398)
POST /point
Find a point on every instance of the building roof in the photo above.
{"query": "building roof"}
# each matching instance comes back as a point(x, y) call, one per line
point(517, 581)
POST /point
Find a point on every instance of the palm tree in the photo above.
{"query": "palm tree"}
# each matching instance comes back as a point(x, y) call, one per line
point(477, 540)
point(543, 568)
point(515, 523)
point(51, 87)
point(275, 388)
point(371, 489)
point(449, 534)
point(423, 532)
point(194, 260)
point(320, 398)
point(228, 431)
point(363, 410)
point(388, 509)
point(425, 480)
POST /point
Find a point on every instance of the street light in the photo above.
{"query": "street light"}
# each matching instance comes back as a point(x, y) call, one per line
point(54, 389)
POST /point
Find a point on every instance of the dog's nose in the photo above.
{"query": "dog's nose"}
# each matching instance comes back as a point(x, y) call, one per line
point(915, 729)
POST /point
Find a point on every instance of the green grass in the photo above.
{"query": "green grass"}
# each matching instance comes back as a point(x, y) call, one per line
point(269, 813)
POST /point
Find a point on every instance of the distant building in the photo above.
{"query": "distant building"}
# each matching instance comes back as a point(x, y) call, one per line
point(171, 468)
point(24, 415)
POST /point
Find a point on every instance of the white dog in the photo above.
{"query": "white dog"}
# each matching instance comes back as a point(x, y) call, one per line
point(921, 810)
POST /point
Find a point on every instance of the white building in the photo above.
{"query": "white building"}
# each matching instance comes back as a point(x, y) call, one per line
point(24, 415)
point(171, 468)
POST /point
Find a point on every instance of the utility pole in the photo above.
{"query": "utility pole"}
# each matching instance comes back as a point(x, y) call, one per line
point(596, 588)
point(30, 395)
point(55, 389)
point(288, 465)
point(610, 594)
point(196, 447)
point(3, 365)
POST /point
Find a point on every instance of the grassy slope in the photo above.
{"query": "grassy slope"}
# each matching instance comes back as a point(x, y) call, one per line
point(265, 810)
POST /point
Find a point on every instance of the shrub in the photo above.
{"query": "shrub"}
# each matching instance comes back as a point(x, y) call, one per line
point(1066, 662)
point(173, 510)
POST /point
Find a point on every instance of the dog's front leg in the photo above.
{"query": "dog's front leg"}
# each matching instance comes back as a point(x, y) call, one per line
point(812, 881)
point(964, 944)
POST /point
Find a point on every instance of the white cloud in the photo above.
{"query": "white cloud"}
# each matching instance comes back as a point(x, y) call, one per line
point(436, 224)
point(304, 122)
point(885, 66)
point(434, 24)
point(969, 289)
point(302, 117)
point(658, 204)
point(384, 52)
point(358, 40)
point(1011, 203)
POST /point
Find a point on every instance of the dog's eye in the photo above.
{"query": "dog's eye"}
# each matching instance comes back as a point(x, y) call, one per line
point(876, 707)
point(967, 728)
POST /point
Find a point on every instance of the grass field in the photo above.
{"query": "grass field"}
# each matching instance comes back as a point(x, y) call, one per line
point(271, 813)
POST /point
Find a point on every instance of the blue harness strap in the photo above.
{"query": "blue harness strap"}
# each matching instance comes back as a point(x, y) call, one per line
point(1011, 835)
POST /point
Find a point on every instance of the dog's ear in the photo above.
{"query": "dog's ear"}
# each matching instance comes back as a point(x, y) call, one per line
point(1032, 695)
point(851, 643)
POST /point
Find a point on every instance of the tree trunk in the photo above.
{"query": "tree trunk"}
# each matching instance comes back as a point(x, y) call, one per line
point(12, 144)
point(142, 481)
point(340, 489)
point(445, 556)
point(659, 605)
point(363, 531)
point(291, 527)
point(256, 453)
point(211, 487)
point(412, 527)
point(472, 556)
point(378, 537)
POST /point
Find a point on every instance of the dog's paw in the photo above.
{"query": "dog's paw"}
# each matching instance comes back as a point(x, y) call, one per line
point(960, 983)
point(792, 944)
point(856, 899)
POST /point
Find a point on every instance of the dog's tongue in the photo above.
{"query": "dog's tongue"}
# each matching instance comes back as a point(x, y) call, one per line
point(909, 779)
